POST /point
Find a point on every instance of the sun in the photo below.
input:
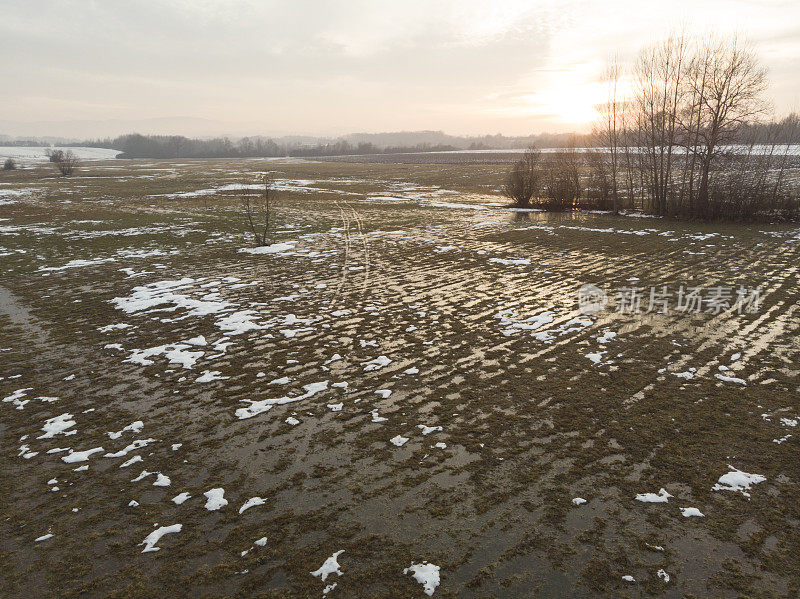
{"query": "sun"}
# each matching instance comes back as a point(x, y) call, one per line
point(570, 96)
point(566, 95)
point(573, 105)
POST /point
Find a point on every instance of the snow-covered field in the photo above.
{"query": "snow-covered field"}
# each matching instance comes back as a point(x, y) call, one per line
point(398, 396)
point(37, 155)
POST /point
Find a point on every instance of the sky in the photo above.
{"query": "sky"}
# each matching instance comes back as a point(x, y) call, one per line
point(328, 67)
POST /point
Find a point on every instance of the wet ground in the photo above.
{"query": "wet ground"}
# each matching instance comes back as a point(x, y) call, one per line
point(404, 377)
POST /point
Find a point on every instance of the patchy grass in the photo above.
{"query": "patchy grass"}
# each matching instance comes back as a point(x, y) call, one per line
point(396, 261)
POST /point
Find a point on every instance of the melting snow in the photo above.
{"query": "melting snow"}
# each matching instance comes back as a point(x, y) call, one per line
point(427, 430)
point(661, 497)
point(80, 456)
point(257, 407)
point(329, 566)
point(76, 264)
point(508, 320)
point(730, 379)
point(176, 354)
point(275, 248)
point(57, 425)
point(736, 480)
point(606, 337)
point(210, 375)
point(215, 499)
point(16, 397)
point(135, 427)
point(426, 574)
point(133, 460)
point(154, 537)
point(163, 293)
point(252, 502)
point(596, 357)
point(511, 261)
point(137, 444)
point(376, 364)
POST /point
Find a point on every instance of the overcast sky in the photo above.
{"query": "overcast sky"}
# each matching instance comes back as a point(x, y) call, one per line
point(203, 67)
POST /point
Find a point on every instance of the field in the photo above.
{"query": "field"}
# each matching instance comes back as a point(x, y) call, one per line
point(402, 380)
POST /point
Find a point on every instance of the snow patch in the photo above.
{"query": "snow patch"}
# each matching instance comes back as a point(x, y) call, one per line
point(151, 540)
point(329, 566)
point(426, 574)
point(661, 497)
point(376, 364)
point(215, 499)
point(252, 502)
point(737, 480)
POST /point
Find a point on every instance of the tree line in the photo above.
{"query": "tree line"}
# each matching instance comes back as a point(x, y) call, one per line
point(176, 146)
point(135, 145)
point(685, 132)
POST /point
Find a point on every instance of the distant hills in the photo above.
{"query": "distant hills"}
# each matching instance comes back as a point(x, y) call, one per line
point(136, 145)
point(381, 141)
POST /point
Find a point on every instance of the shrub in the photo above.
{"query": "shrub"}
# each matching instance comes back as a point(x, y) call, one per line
point(9, 165)
point(599, 186)
point(67, 164)
point(257, 210)
point(562, 184)
point(55, 155)
point(523, 179)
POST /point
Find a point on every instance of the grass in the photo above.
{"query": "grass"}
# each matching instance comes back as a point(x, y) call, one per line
point(528, 425)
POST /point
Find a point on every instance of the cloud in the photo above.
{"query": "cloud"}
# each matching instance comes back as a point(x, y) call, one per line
point(326, 66)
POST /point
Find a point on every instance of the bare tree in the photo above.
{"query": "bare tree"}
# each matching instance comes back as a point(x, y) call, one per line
point(257, 209)
point(522, 183)
point(629, 153)
point(784, 132)
point(609, 130)
point(726, 84)
point(67, 163)
point(659, 75)
point(690, 136)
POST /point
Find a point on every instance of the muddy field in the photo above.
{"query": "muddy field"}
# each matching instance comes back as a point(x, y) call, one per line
point(399, 396)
